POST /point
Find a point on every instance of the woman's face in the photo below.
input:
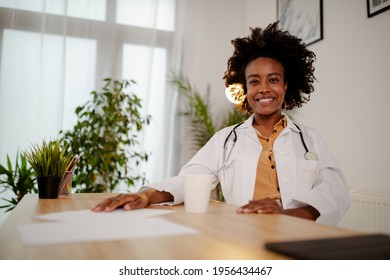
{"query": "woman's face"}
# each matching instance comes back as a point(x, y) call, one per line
point(265, 85)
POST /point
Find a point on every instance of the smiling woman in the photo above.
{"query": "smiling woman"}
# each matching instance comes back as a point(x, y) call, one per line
point(262, 160)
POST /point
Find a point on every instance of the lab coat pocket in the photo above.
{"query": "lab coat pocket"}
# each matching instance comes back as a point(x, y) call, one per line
point(308, 172)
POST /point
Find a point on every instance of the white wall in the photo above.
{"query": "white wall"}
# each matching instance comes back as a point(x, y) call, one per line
point(207, 43)
point(352, 93)
point(210, 26)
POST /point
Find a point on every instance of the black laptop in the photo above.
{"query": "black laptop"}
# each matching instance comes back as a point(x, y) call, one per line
point(361, 247)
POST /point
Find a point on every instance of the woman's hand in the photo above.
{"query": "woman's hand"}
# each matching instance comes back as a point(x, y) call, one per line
point(271, 206)
point(266, 205)
point(133, 201)
point(127, 201)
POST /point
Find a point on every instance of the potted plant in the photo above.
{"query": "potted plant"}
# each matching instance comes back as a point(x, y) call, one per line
point(49, 160)
point(20, 179)
point(106, 138)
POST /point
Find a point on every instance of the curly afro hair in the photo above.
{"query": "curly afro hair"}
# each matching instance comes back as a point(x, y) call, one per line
point(280, 45)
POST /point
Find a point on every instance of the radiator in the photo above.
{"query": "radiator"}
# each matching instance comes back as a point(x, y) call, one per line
point(369, 213)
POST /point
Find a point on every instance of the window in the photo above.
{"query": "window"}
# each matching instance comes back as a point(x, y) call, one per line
point(147, 13)
point(55, 52)
point(150, 78)
point(86, 9)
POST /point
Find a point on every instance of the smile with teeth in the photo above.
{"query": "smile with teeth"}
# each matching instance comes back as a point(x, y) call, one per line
point(264, 100)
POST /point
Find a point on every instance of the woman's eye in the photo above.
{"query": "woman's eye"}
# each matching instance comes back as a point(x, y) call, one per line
point(253, 82)
point(274, 80)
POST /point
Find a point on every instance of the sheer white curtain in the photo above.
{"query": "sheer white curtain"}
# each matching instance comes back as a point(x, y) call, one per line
point(55, 52)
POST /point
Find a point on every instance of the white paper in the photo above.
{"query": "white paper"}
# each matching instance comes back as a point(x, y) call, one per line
point(87, 215)
point(88, 226)
point(98, 230)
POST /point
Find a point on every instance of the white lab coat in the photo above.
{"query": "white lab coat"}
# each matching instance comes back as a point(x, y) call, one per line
point(320, 184)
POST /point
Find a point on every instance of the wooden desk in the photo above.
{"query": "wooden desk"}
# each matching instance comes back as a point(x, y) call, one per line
point(223, 234)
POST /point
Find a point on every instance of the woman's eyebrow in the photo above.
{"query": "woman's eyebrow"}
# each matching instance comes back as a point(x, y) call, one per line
point(269, 74)
point(253, 76)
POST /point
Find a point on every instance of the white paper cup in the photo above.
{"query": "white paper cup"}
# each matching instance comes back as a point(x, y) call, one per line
point(197, 189)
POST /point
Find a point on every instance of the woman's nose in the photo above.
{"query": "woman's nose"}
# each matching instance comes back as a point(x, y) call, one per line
point(263, 88)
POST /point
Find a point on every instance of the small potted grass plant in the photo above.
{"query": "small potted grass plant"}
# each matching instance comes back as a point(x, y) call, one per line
point(49, 160)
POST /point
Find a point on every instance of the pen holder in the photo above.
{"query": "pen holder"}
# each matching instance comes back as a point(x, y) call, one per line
point(66, 183)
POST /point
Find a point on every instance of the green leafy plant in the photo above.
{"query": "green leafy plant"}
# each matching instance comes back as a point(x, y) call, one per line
point(49, 158)
point(197, 113)
point(106, 136)
point(201, 123)
point(19, 179)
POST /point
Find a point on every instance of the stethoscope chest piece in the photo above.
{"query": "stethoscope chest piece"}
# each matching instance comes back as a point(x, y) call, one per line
point(308, 155)
point(311, 156)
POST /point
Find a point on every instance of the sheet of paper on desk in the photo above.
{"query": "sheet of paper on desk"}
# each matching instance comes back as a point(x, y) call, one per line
point(65, 227)
point(87, 215)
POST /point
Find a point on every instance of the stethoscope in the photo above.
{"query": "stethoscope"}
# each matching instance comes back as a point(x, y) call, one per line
point(308, 155)
point(228, 148)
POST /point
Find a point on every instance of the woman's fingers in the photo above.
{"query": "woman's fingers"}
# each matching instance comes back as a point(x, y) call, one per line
point(118, 201)
point(267, 206)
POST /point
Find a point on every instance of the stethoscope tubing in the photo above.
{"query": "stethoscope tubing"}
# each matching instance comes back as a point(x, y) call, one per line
point(308, 155)
point(233, 131)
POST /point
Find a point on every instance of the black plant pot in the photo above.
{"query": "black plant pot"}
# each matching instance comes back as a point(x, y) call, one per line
point(48, 187)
